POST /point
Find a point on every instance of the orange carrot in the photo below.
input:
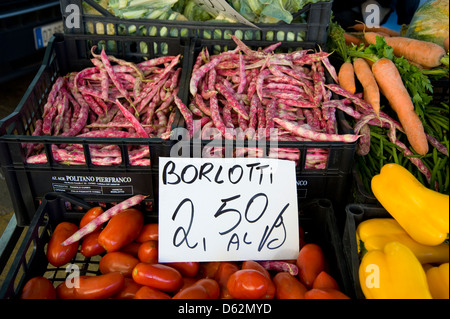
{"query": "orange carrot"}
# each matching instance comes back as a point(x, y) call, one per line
point(351, 39)
point(424, 53)
point(391, 84)
point(383, 34)
point(419, 66)
point(367, 80)
point(446, 45)
point(346, 77)
point(364, 28)
point(369, 62)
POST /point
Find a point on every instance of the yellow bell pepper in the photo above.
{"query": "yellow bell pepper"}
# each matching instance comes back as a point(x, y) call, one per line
point(393, 273)
point(374, 234)
point(422, 212)
point(438, 281)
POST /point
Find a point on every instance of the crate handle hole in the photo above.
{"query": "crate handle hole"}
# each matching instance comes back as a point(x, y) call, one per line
point(355, 209)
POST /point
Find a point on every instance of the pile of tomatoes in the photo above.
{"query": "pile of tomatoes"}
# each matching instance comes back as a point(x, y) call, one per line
point(129, 268)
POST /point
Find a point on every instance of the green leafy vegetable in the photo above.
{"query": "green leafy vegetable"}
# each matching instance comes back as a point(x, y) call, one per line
point(142, 9)
point(193, 12)
point(256, 11)
point(430, 22)
point(281, 10)
point(270, 11)
point(336, 40)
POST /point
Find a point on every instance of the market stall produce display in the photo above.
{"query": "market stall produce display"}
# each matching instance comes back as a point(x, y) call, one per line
point(131, 79)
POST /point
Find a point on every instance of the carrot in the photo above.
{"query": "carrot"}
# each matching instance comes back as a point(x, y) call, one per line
point(351, 39)
point(391, 84)
point(346, 77)
point(382, 34)
point(367, 80)
point(446, 45)
point(364, 28)
point(424, 53)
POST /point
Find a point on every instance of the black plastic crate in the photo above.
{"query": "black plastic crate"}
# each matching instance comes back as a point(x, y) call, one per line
point(28, 183)
point(356, 214)
point(360, 195)
point(17, 22)
point(441, 90)
point(316, 217)
point(332, 181)
point(315, 29)
point(30, 258)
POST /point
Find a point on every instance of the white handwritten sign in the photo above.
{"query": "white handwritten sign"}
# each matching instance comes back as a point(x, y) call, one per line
point(221, 7)
point(214, 209)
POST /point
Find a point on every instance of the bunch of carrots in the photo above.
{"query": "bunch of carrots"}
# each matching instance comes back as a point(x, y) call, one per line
point(380, 78)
